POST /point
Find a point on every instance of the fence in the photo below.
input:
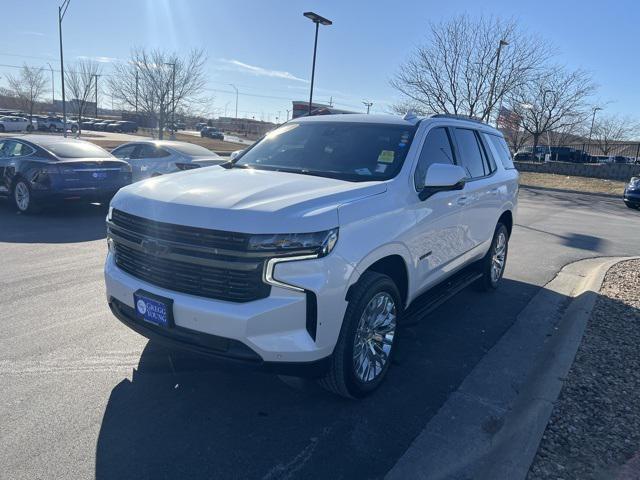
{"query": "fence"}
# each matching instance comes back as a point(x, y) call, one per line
point(599, 152)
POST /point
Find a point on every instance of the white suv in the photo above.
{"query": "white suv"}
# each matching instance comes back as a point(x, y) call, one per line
point(302, 254)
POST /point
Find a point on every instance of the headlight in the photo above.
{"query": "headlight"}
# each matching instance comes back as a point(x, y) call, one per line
point(319, 243)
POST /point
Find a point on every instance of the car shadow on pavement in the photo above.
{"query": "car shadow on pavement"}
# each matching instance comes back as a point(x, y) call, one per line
point(67, 223)
point(183, 416)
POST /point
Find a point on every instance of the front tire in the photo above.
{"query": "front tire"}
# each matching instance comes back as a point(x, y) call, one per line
point(362, 355)
point(493, 264)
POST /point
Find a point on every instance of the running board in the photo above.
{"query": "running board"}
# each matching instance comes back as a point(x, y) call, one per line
point(436, 296)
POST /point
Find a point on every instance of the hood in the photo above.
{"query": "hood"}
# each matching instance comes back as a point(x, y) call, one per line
point(241, 200)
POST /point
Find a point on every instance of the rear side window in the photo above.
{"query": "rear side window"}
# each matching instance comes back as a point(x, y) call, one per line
point(500, 150)
point(151, 151)
point(436, 149)
point(470, 153)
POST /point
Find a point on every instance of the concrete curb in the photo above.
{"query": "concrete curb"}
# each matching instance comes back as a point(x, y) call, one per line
point(562, 190)
point(490, 428)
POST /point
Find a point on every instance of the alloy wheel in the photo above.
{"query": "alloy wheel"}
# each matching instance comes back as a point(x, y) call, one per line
point(499, 257)
point(22, 196)
point(374, 337)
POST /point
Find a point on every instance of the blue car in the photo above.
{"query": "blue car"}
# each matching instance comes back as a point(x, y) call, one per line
point(39, 170)
point(632, 193)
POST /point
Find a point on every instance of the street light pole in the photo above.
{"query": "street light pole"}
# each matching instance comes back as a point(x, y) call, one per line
point(317, 19)
point(173, 99)
point(53, 88)
point(236, 89)
point(96, 75)
point(503, 43)
point(593, 120)
point(62, 10)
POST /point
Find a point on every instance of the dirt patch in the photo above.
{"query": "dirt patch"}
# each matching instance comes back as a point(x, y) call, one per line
point(577, 184)
point(594, 430)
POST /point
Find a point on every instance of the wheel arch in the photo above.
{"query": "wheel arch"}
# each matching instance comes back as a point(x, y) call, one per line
point(390, 261)
point(506, 218)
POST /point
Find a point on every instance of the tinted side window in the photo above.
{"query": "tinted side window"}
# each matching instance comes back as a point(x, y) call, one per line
point(500, 149)
point(150, 151)
point(436, 149)
point(125, 152)
point(470, 154)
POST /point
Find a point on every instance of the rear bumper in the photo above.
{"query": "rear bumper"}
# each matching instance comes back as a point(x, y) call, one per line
point(86, 194)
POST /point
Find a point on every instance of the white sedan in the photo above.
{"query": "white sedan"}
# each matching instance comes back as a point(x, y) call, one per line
point(150, 158)
point(15, 124)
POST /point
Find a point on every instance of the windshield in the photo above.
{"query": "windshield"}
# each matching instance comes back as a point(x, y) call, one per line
point(77, 150)
point(348, 151)
point(193, 150)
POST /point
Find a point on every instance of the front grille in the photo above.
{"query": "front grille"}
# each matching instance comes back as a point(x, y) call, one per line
point(196, 261)
point(200, 237)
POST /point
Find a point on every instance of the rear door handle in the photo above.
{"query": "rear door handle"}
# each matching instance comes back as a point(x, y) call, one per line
point(494, 191)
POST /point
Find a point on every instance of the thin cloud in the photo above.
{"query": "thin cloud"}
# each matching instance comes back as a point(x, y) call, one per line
point(98, 59)
point(34, 34)
point(260, 71)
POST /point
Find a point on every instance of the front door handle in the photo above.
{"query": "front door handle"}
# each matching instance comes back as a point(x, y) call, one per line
point(494, 191)
point(462, 200)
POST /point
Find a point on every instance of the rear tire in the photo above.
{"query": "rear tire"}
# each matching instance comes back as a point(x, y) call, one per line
point(23, 198)
point(493, 264)
point(363, 353)
point(53, 129)
point(29, 128)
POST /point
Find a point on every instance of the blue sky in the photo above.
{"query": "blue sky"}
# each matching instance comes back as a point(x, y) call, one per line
point(264, 47)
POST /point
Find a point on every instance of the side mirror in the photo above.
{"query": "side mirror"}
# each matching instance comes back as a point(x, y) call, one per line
point(235, 154)
point(442, 177)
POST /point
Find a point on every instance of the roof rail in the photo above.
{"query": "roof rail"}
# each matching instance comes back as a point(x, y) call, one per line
point(459, 117)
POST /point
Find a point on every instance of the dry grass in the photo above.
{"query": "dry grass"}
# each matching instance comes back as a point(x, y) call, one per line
point(214, 145)
point(577, 184)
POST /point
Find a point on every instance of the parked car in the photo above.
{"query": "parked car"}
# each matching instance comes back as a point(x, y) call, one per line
point(123, 126)
point(632, 193)
point(101, 125)
point(301, 256)
point(200, 126)
point(150, 158)
point(111, 126)
point(15, 124)
point(87, 123)
point(212, 132)
point(38, 170)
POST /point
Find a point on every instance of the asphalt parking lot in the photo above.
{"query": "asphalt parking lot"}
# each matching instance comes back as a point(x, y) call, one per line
point(84, 396)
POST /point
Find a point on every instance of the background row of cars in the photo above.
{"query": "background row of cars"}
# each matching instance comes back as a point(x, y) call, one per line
point(41, 170)
point(16, 123)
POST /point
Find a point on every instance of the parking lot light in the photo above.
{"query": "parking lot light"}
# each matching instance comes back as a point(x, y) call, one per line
point(318, 20)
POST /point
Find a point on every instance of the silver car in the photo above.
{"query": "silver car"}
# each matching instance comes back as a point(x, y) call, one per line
point(150, 158)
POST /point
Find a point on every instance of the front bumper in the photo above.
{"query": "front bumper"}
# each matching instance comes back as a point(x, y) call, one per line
point(632, 197)
point(270, 333)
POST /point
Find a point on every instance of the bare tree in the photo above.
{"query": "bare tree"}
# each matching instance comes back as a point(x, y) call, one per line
point(516, 138)
point(146, 82)
point(81, 83)
point(28, 87)
point(613, 129)
point(457, 71)
point(553, 100)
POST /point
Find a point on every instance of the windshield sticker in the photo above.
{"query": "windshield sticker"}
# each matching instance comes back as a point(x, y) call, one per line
point(363, 171)
point(380, 168)
point(386, 156)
